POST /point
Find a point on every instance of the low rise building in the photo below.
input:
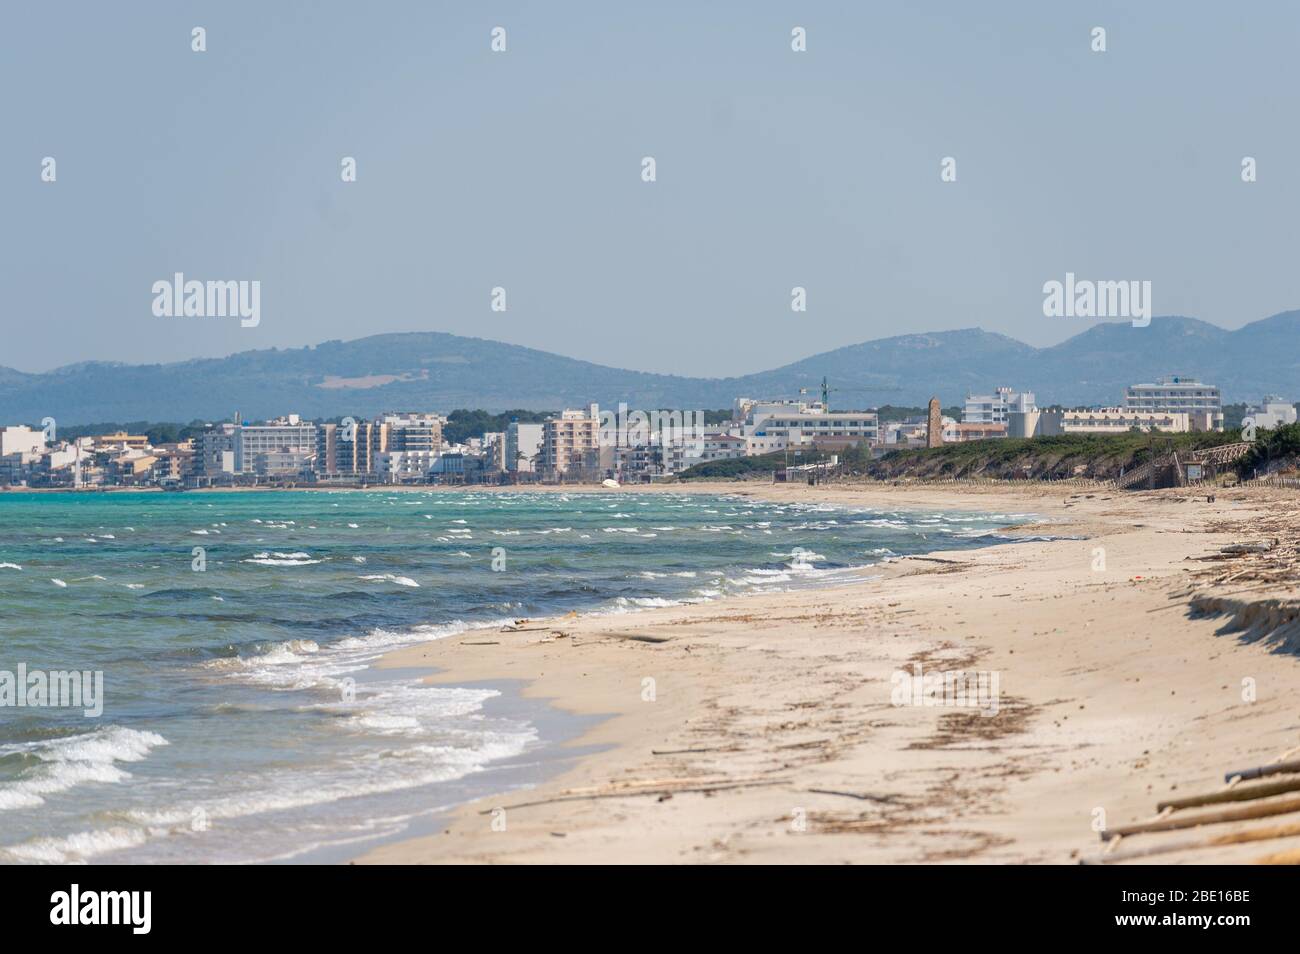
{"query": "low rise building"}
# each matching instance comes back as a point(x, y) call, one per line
point(1273, 412)
point(124, 440)
point(1111, 420)
point(21, 439)
point(955, 433)
point(397, 467)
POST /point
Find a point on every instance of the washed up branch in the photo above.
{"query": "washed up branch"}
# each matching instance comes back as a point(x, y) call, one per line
point(1218, 841)
point(1176, 822)
point(1242, 793)
point(577, 796)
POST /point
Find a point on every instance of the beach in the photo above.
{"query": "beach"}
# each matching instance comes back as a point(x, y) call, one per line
point(764, 729)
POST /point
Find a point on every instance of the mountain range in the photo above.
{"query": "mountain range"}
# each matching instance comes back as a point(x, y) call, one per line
point(436, 371)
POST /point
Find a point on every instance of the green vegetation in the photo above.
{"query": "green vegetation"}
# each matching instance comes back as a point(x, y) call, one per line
point(1271, 446)
point(890, 412)
point(740, 468)
point(735, 469)
point(462, 424)
point(160, 433)
point(1041, 458)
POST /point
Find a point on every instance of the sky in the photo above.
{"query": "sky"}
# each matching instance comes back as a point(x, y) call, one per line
point(522, 170)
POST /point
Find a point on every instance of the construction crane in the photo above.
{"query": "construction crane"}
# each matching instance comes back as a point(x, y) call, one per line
point(827, 391)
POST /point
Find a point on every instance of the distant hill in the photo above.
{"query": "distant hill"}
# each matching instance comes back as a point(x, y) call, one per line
point(431, 370)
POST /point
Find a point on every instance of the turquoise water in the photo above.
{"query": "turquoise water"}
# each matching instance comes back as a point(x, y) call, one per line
point(242, 717)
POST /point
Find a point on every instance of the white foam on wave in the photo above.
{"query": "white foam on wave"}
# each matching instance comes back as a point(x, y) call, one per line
point(390, 578)
point(74, 760)
point(393, 770)
point(75, 848)
point(646, 602)
point(437, 727)
point(275, 558)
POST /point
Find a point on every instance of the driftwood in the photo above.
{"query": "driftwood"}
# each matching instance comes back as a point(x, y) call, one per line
point(1238, 549)
point(1242, 793)
point(639, 637)
point(1260, 771)
point(576, 795)
point(1175, 822)
point(863, 796)
point(1233, 838)
point(1291, 857)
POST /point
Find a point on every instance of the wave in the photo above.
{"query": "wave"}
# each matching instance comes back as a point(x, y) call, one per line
point(391, 578)
point(76, 847)
point(274, 558)
point(69, 761)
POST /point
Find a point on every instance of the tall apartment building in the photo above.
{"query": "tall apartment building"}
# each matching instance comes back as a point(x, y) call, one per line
point(279, 448)
point(1202, 403)
point(494, 451)
point(216, 450)
point(995, 408)
point(523, 447)
point(571, 444)
point(351, 449)
point(411, 431)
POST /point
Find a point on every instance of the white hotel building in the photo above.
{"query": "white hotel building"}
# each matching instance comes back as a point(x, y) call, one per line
point(1202, 403)
point(818, 426)
point(769, 426)
point(994, 408)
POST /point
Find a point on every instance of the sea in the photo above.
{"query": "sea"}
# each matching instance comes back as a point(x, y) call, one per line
point(242, 718)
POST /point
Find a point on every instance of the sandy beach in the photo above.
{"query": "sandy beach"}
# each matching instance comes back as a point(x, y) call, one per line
point(764, 729)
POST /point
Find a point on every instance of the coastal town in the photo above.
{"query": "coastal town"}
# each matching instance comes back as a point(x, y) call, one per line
point(582, 445)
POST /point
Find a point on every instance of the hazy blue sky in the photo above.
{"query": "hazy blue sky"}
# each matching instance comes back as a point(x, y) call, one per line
point(522, 169)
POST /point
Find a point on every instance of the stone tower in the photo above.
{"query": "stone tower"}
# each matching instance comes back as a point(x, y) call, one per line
point(934, 425)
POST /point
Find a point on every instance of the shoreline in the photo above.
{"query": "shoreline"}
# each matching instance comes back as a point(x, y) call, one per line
point(771, 736)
